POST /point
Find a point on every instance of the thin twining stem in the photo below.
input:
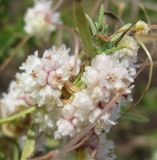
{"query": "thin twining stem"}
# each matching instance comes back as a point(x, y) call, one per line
point(150, 71)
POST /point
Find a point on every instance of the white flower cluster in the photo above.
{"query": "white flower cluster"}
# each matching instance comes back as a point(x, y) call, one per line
point(40, 19)
point(107, 75)
point(41, 84)
point(43, 79)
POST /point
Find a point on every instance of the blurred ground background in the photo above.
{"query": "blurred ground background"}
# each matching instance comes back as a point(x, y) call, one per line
point(134, 140)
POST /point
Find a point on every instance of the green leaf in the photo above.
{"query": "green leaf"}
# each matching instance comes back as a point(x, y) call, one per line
point(83, 29)
point(17, 115)
point(101, 18)
point(92, 25)
point(135, 118)
point(106, 29)
point(118, 35)
point(29, 145)
point(109, 51)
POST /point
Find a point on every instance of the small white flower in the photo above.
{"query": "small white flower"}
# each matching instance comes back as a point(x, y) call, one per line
point(64, 128)
point(127, 55)
point(31, 62)
point(102, 62)
point(39, 75)
point(68, 111)
point(100, 94)
point(83, 101)
point(46, 121)
point(90, 76)
point(83, 104)
point(55, 79)
point(104, 123)
point(43, 95)
point(142, 27)
point(55, 58)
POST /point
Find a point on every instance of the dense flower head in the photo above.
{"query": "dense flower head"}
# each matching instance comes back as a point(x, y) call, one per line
point(42, 83)
point(105, 77)
point(45, 77)
point(40, 19)
point(42, 80)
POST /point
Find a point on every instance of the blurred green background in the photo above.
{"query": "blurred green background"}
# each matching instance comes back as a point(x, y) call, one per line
point(134, 140)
